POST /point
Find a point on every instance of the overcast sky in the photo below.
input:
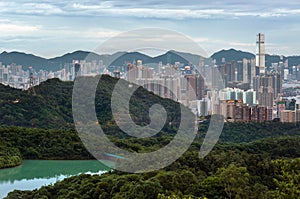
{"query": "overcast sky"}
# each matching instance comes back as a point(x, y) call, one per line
point(53, 27)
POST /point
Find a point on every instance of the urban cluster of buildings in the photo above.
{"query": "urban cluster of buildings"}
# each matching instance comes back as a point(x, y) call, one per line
point(15, 76)
point(177, 82)
point(251, 91)
point(19, 77)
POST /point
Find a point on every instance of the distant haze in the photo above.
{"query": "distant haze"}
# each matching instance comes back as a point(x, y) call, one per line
point(118, 59)
point(51, 28)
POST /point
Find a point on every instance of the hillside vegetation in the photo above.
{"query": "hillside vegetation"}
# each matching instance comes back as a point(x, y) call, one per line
point(265, 168)
point(52, 106)
point(251, 160)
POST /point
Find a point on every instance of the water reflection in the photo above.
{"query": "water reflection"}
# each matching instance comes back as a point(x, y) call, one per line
point(33, 174)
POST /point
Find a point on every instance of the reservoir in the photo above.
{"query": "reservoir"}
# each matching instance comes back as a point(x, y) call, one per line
point(33, 174)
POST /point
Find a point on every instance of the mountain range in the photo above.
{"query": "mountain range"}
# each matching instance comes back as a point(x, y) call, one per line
point(119, 58)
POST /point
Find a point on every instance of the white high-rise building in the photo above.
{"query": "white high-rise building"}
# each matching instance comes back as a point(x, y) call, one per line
point(260, 53)
point(245, 71)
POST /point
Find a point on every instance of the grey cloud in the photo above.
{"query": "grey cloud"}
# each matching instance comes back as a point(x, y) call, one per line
point(175, 9)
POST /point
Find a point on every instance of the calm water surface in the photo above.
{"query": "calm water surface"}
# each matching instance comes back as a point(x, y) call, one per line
point(33, 174)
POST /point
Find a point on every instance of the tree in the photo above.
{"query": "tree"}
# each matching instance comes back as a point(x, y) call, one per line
point(288, 180)
point(235, 180)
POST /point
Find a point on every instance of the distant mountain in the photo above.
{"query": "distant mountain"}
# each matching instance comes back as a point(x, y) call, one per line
point(38, 63)
point(125, 57)
point(273, 59)
point(69, 57)
point(293, 60)
point(230, 55)
point(169, 57)
point(121, 58)
point(174, 56)
point(23, 59)
point(116, 59)
point(237, 55)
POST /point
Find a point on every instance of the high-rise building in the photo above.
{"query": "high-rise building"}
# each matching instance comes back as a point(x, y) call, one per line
point(232, 110)
point(256, 83)
point(285, 74)
point(195, 86)
point(76, 68)
point(203, 107)
point(132, 72)
point(252, 72)
point(249, 97)
point(277, 84)
point(268, 88)
point(260, 52)
point(266, 96)
point(246, 113)
point(200, 88)
point(147, 73)
point(227, 72)
point(139, 63)
point(230, 71)
point(240, 71)
point(245, 71)
point(287, 116)
point(297, 115)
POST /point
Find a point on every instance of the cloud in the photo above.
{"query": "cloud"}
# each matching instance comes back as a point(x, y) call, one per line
point(65, 24)
point(241, 44)
point(154, 8)
point(145, 12)
point(200, 39)
point(102, 33)
point(7, 28)
point(30, 8)
point(18, 39)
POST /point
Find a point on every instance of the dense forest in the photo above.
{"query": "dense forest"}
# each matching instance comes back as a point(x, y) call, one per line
point(51, 108)
point(243, 164)
point(250, 160)
point(19, 143)
point(261, 168)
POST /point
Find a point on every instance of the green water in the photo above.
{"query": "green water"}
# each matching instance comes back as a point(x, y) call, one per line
point(33, 174)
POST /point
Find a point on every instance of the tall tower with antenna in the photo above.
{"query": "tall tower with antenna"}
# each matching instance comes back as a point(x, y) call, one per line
point(260, 53)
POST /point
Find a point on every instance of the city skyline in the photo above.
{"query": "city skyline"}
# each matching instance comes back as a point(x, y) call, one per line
point(49, 29)
point(248, 91)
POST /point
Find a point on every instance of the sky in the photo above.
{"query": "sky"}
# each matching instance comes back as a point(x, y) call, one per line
point(51, 28)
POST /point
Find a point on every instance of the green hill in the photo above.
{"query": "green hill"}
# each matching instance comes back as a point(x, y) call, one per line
point(52, 105)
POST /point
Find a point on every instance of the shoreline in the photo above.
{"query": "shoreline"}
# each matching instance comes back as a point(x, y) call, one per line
point(55, 158)
point(13, 166)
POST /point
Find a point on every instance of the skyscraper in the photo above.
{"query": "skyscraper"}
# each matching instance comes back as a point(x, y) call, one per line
point(76, 68)
point(252, 72)
point(245, 70)
point(265, 90)
point(260, 53)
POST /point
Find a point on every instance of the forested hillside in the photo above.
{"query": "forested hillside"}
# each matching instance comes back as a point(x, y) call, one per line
point(265, 168)
point(51, 108)
point(251, 160)
point(52, 105)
